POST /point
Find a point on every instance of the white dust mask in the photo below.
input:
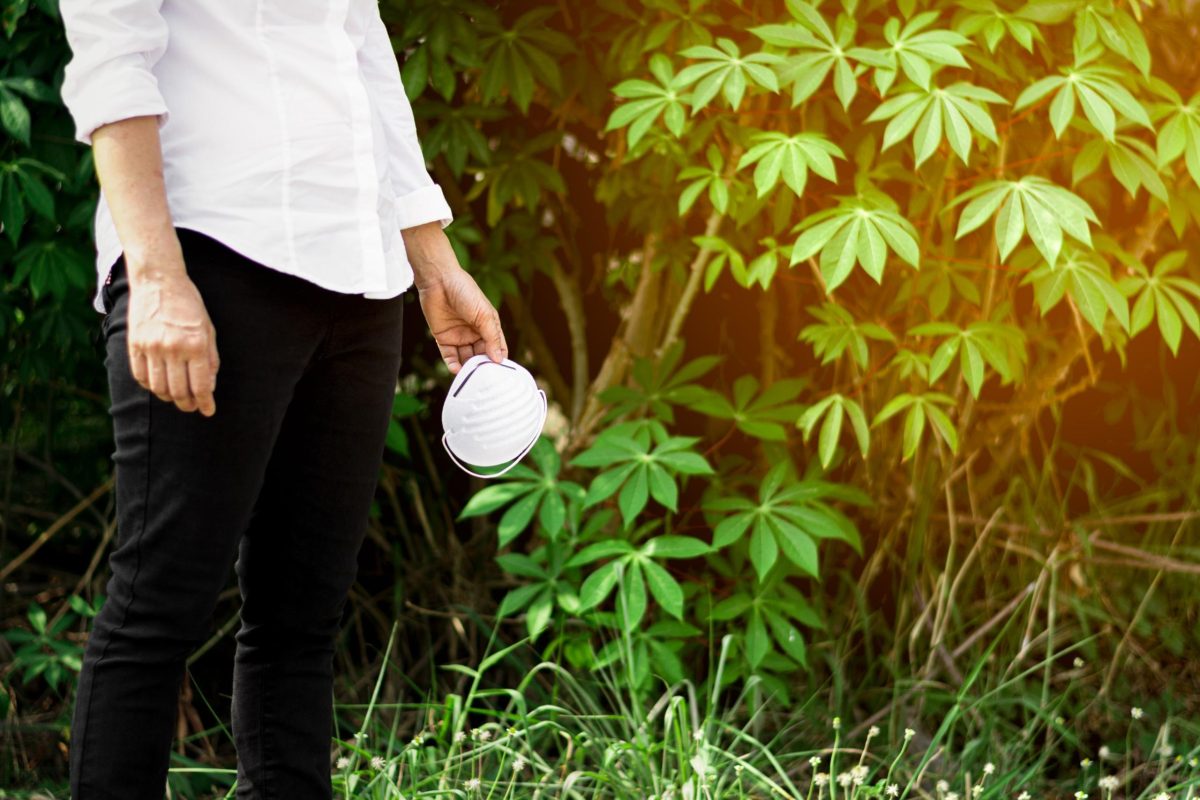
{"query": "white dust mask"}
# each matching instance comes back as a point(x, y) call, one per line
point(493, 414)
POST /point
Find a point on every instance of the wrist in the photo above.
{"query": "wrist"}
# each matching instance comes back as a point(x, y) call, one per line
point(429, 253)
point(154, 259)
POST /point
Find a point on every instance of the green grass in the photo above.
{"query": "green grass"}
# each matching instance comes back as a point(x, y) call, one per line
point(591, 737)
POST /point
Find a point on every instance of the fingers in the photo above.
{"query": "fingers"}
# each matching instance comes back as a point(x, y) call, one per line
point(493, 337)
point(200, 380)
point(157, 379)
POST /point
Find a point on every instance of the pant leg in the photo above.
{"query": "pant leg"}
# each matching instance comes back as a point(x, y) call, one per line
point(185, 489)
point(299, 557)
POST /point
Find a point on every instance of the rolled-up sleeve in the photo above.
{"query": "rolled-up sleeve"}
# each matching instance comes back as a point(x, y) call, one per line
point(418, 199)
point(114, 44)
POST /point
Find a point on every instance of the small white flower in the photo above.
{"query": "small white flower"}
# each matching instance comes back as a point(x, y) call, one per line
point(377, 762)
point(1162, 796)
point(342, 762)
point(698, 735)
point(989, 768)
point(977, 790)
point(951, 795)
point(873, 731)
point(460, 736)
point(1085, 763)
point(821, 779)
point(1109, 783)
point(1165, 751)
point(472, 784)
point(360, 735)
point(485, 735)
point(943, 787)
point(814, 762)
point(1136, 713)
point(737, 768)
point(844, 779)
point(519, 764)
point(1024, 796)
point(1105, 752)
point(418, 740)
point(859, 775)
point(1078, 662)
point(1081, 795)
point(909, 733)
point(893, 790)
point(837, 723)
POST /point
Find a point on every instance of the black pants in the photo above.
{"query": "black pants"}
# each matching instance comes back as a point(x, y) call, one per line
point(281, 479)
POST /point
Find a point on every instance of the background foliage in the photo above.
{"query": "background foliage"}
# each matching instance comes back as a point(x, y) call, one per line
point(870, 331)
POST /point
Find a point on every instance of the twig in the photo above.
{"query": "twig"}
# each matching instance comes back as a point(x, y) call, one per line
point(58, 525)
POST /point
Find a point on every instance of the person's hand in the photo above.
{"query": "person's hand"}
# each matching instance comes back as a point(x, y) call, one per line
point(172, 342)
point(462, 320)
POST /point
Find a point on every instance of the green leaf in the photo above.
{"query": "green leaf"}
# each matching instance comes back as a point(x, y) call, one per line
point(517, 518)
point(598, 586)
point(758, 643)
point(666, 590)
point(764, 551)
point(634, 494)
point(14, 116)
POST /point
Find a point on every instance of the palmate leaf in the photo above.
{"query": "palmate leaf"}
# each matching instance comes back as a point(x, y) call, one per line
point(1180, 134)
point(1131, 161)
point(514, 58)
point(1031, 205)
point(640, 461)
point(545, 588)
point(658, 386)
point(917, 51)
point(648, 101)
point(710, 178)
point(632, 572)
point(930, 115)
point(835, 408)
point(820, 51)
point(860, 230)
point(1163, 295)
point(779, 155)
point(724, 69)
point(1096, 89)
point(1116, 30)
point(518, 177)
point(527, 493)
point(767, 612)
point(839, 331)
point(979, 345)
point(993, 24)
point(788, 519)
point(921, 409)
point(456, 132)
point(762, 416)
point(21, 185)
point(724, 255)
point(1087, 278)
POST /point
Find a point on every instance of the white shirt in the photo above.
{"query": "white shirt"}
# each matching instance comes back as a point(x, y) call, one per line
point(286, 133)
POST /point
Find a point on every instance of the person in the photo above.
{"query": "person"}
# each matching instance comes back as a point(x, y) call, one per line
point(264, 207)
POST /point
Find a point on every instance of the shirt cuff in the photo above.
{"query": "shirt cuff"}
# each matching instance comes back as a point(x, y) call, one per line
point(112, 94)
point(424, 205)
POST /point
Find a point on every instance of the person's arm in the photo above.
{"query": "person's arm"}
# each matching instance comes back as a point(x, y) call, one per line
point(114, 99)
point(462, 320)
point(171, 340)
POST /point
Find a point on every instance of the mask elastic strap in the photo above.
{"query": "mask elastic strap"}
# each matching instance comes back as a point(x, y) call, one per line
point(515, 461)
